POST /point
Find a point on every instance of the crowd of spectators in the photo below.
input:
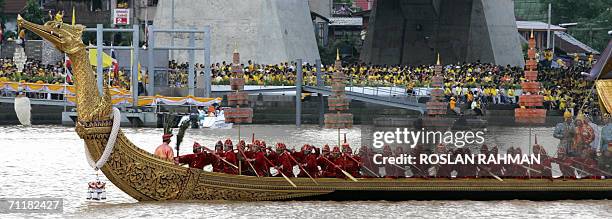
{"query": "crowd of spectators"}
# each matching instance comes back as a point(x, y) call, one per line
point(563, 88)
point(33, 71)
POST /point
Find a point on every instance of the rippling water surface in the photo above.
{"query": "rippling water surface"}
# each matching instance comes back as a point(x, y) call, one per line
point(49, 161)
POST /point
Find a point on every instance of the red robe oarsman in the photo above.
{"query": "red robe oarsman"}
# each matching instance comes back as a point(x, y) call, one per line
point(230, 156)
point(245, 166)
point(466, 170)
point(218, 164)
point(509, 168)
point(350, 163)
point(544, 166)
point(519, 170)
point(389, 169)
point(443, 170)
point(300, 155)
point(399, 170)
point(283, 162)
point(420, 167)
point(309, 163)
point(366, 157)
point(588, 164)
point(482, 172)
point(327, 168)
point(336, 159)
point(565, 164)
point(198, 159)
point(259, 161)
point(496, 169)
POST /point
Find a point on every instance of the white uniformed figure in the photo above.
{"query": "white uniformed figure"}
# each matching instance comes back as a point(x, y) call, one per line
point(22, 109)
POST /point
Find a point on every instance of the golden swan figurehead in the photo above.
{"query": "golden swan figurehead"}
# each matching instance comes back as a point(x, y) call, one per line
point(65, 37)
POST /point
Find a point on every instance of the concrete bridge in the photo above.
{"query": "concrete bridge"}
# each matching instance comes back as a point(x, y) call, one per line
point(414, 31)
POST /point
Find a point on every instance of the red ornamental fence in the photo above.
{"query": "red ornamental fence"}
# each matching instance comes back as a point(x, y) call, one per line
point(238, 115)
point(438, 122)
point(532, 87)
point(338, 120)
point(531, 100)
point(436, 108)
point(339, 77)
point(437, 81)
point(437, 93)
point(531, 64)
point(237, 84)
point(337, 103)
point(531, 53)
point(237, 98)
point(531, 75)
point(339, 88)
point(530, 116)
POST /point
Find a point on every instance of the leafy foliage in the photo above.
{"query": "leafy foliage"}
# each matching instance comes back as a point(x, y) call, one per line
point(594, 18)
point(169, 123)
point(181, 133)
point(33, 13)
point(2, 18)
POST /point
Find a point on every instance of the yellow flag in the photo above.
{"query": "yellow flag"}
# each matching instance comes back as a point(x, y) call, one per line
point(107, 60)
point(139, 73)
point(73, 16)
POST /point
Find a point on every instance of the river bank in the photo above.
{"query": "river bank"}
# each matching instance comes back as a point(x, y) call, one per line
point(280, 109)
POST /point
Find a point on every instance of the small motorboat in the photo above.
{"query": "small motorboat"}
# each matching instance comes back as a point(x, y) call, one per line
point(209, 120)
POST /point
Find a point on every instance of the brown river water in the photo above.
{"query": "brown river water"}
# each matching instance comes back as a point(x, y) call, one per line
point(49, 161)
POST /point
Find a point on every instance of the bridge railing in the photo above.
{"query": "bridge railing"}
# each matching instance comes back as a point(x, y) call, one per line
point(381, 90)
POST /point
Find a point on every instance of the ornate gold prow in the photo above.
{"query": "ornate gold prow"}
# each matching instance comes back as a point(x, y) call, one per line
point(91, 106)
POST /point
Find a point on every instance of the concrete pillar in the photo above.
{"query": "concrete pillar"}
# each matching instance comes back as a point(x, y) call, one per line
point(191, 79)
point(298, 94)
point(207, 63)
point(151, 62)
point(320, 83)
point(136, 49)
point(99, 70)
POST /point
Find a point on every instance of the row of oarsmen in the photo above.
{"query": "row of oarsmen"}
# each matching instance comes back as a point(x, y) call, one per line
point(257, 159)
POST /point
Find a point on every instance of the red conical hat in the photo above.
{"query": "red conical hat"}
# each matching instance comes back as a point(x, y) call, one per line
point(326, 148)
point(196, 145)
point(387, 149)
point(336, 150)
point(166, 137)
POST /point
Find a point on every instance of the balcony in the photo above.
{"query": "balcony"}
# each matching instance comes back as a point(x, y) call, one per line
point(84, 13)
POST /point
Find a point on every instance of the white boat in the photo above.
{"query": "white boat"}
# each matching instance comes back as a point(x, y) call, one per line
point(210, 121)
point(23, 109)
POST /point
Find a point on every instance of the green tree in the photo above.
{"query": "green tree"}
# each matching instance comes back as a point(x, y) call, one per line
point(2, 19)
point(566, 11)
point(33, 13)
point(594, 18)
point(343, 1)
point(594, 32)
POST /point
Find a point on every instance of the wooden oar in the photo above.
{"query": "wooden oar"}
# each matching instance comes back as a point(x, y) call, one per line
point(302, 168)
point(575, 168)
point(489, 171)
point(531, 169)
point(343, 172)
point(553, 169)
point(594, 168)
point(219, 157)
point(281, 172)
point(247, 160)
point(361, 164)
point(417, 168)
